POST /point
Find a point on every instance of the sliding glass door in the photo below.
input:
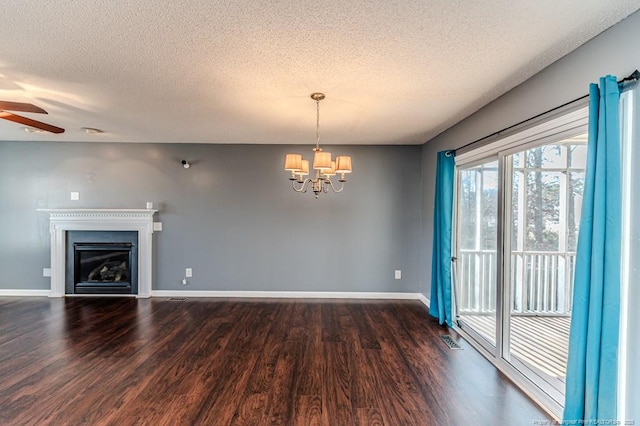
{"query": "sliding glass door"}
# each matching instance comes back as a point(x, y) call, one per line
point(517, 220)
point(541, 221)
point(477, 249)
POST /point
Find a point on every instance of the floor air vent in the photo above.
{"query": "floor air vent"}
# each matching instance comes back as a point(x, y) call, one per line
point(177, 299)
point(448, 340)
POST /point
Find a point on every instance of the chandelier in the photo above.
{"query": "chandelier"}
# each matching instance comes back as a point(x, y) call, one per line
point(324, 166)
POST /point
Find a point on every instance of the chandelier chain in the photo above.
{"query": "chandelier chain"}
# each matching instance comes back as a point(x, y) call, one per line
point(317, 123)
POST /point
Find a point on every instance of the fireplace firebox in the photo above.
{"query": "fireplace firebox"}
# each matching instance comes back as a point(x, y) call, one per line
point(102, 262)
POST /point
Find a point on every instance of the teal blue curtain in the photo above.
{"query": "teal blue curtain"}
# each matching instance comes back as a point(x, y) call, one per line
point(440, 303)
point(593, 343)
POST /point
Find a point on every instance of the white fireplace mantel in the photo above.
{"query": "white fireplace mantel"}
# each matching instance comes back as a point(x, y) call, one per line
point(62, 220)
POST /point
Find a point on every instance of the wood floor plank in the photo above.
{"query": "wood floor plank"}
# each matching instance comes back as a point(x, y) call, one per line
point(366, 335)
point(311, 369)
point(336, 392)
point(307, 411)
point(251, 409)
point(330, 323)
point(124, 361)
point(280, 406)
point(369, 417)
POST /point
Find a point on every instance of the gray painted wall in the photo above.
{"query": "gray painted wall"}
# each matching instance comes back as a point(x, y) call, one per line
point(615, 51)
point(232, 216)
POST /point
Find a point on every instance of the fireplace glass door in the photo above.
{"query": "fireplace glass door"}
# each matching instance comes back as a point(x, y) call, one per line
point(102, 268)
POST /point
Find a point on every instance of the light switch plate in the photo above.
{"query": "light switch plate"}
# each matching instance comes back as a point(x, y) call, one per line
point(75, 196)
point(46, 272)
point(157, 226)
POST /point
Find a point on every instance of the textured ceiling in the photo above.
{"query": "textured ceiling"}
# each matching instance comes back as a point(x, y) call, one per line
point(237, 71)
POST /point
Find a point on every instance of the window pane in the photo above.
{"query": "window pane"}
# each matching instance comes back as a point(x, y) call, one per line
point(545, 217)
point(543, 207)
point(548, 156)
point(518, 210)
point(578, 156)
point(518, 160)
point(574, 208)
point(478, 202)
point(477, 256)
point(489, 214)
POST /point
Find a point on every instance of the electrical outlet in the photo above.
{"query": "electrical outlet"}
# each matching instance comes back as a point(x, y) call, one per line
point(398, 274)
point(188, 272)
point(75, 196)
point(46, 272)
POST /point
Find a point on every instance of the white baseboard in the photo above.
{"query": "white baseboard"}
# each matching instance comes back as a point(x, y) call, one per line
point(424, 300)
point(24, 293)
point(250, 294)
point(290, 294)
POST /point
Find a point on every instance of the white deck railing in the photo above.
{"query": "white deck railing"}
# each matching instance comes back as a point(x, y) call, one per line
point(542, 282)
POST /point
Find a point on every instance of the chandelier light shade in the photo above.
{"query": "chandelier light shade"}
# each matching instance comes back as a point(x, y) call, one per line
point(293, 162)
point(343, 164)
point(321, 161)
point(331, 171)
point(305, 168)
point(323, 165)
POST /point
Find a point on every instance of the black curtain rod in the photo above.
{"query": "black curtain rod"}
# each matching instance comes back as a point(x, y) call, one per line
point(631, 77)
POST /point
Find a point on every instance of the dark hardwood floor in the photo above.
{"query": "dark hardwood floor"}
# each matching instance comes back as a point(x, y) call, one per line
point(122, 361)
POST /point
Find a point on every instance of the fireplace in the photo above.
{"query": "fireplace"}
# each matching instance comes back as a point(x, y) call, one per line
point(102, 262)
point(62, 221)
